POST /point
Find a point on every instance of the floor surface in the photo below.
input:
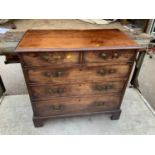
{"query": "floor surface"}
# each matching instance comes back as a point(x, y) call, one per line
point(147, 80)
point(13, 78)
point(16, 118)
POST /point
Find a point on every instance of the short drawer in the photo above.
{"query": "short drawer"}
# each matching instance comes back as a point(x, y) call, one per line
point(112, 56)
point(72, 106)
point(78, 74)
point(50, 58)
point(97, 88)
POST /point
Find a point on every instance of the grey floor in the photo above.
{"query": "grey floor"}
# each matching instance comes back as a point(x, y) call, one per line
point(13, 78)
point(147, 79)
point(16, 118)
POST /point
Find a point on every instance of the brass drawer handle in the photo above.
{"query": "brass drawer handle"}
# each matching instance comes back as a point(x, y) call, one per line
point(106, 71)
point(55, 90)
point(101, 72)
point(110, 71)
point(53, 74)
point(103, 55)
point(52, 58)
point(45, 57)
point(58, 107)
point(103, 87)
point(52, 91)
point(60, 90)
point(115, 55)
point(99, 103)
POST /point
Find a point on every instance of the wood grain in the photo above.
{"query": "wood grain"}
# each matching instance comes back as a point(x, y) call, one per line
point(44, 92)
point(61, 106)
point(112, 56)
point(76, 74)
point(55, 58)
point(55, 40)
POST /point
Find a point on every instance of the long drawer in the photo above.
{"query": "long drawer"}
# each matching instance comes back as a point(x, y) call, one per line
point(61, 106)
point(74, 75)
point(43, 92)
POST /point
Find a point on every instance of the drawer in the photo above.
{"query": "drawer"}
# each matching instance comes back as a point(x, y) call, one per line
point(73, 75)
point(44, 92)
point(50, 58)
point(61, 106)
point(112, 56)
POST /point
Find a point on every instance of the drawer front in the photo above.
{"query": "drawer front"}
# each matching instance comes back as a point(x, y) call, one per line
point(60, 76)
point(51, 58)
point(61, 106)
point(100, 88)
point(112, 56)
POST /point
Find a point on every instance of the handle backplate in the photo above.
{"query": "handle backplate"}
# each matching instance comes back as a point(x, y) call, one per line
point(99, 103)
point(57, 107)
point(55, 91)
point(103, 87)
point(54, 74)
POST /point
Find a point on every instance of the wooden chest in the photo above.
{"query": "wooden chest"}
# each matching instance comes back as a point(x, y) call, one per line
point(76, 72)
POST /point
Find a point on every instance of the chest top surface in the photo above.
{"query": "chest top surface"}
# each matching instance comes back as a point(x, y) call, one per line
point(70, 40)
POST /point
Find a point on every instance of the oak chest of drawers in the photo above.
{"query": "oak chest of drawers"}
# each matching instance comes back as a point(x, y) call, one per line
point(76, 72)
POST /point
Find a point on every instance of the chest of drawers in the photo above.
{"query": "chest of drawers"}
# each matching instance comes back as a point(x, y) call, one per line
point(76, 72)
